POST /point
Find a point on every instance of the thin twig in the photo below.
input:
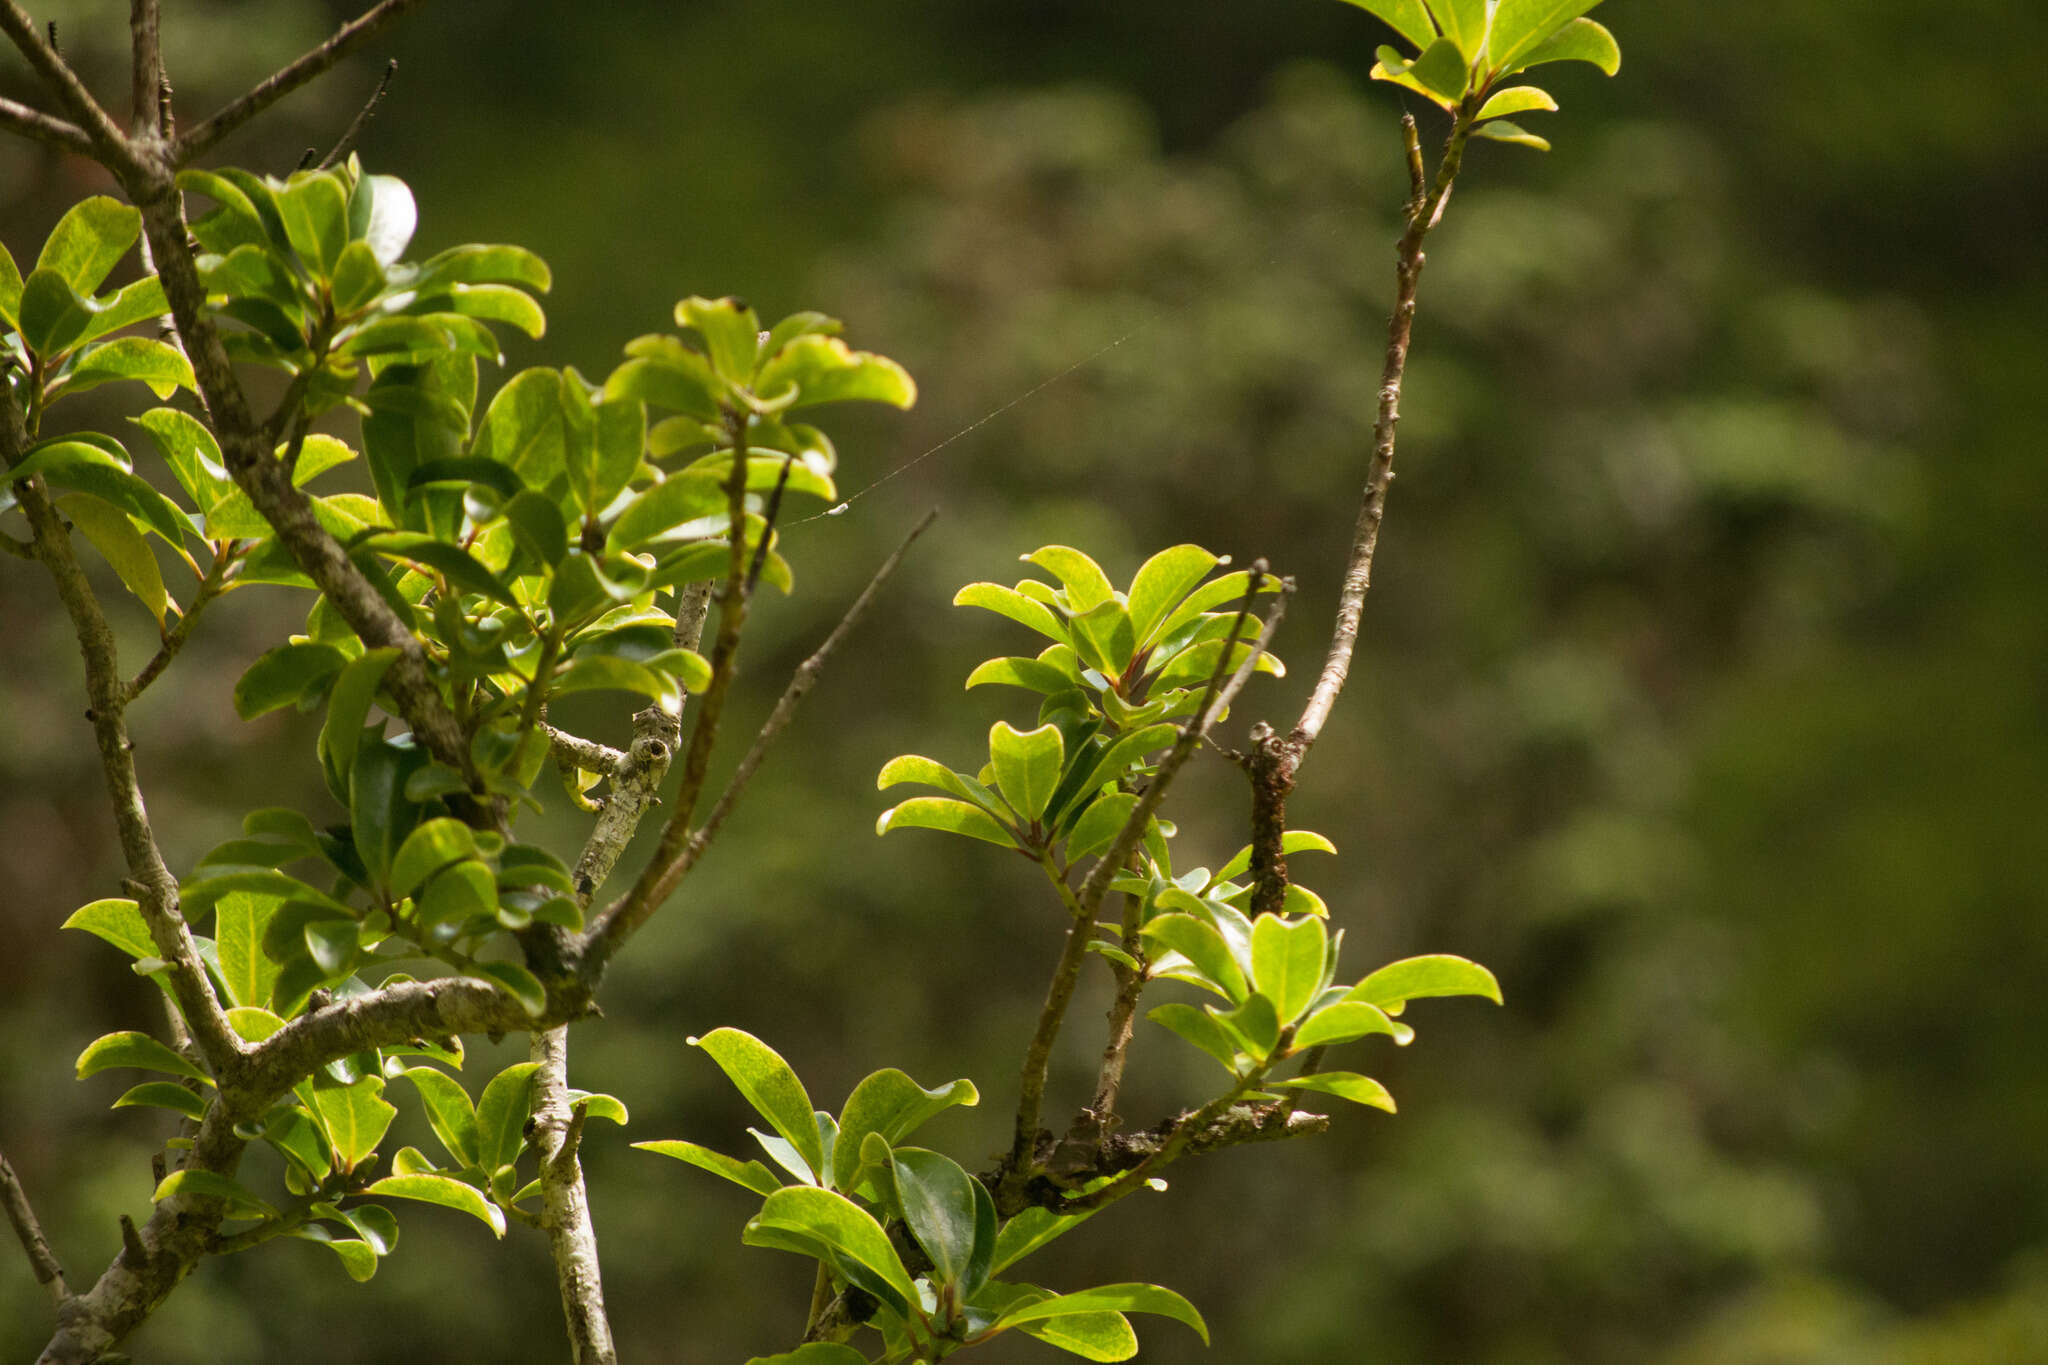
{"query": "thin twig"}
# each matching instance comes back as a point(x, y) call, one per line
point(277, 86)
point(586, 754)
point(800, 684)
point(347, 142)
point(42, 127)
point(210, 587)
point(105, 141)
point(49, 1271)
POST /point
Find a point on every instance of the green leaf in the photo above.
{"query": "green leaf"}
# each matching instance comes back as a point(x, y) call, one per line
point(479, 264)
point(890, 1103)
point(145, 360)
point(89, 241)
point(493, 303)
point(937, 1199)
point(1520, 26)
point(240, 918)
point(136, 1050)
point(164, 1095)
point(1027, 765)
point(379, 814)
point(1201, 945)
point(676, 502)
point(78, 463)
point(840, 1224)
point(314, 208)
point(1099, 825)
point(1119, 758)
point(452, 562)
point(122, 546)
point(1287, 962)
point(426, 850)
point(449, 1111)
point(1413, 978)
point(1439, 73)
point(242, 1201)
point(252, 1023)
point(1500, 130)
point(1345, 1085)
point(1408, 18)
point(608, 673)
point(1582, 40)
point(730, 330)
point(348, 706)
point(280, 677)
point(1464, 23)
point(355, 1118)
point(1346, 1021)
point(1255, 1025)
point(826, 370)
point(358, 1259)
point(1111, 1298)
point(668, 375)
point(517, 982)
point(1293, 841)
point(501, 1114)
point(1517, 99)
point(10, 289)
point(768, 1084)
point(609, 1107)
point(1035, 674)
point(117, 921)
point(358, 278)
point(537, 527)
point(750, 1175)
point(1013, 604)
point(1200, 1028)
point(526, 427)
point(1086, 585)
point(1162, 581)
point(1092, 1336)
point(1224, 588)
point(1032, 1229)
point(449, 1193)
point(952, 817)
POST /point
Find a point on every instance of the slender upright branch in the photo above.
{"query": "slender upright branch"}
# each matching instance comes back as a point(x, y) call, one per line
point(146, 82)
point(276, 87)
point(49, 1271)
point(346, 143)
point(565, 1206)
point(210, 587)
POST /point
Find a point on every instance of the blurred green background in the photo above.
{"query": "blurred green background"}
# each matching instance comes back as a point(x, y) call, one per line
point(1700, 694)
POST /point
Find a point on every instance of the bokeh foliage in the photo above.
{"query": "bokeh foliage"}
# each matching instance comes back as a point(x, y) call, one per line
point(1699, 695)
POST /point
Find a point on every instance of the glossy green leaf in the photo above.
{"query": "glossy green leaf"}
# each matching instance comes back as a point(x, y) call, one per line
point(1345, 1085)
point(1013, 604)
point(449, 1111)
point(1287, 962)
point(449, 1193)
point(606, 673)
point(164, 1095)
point(1099, 824)
point(668, 375)
point(1464, 23)
point(1200, 1028)
point(1112, 1298)
point(136, 1050)
point(501, 1113)
point(1085, 584)
point(459, 892)
point(280, 677)
point(493, 303)
point(1092, 1336)
point(608, 1107)
point(242, 1201)
point(85, 466)
point(1161, 582)
point(1520, 26)
point(355, 1118)
point(358, 1258)
point(348, 707)
point(1409, 18)
point(1414, 978)
point(314, 208)
point(145, 360)
point(931, 773)
point(10, 289)
point(730, 331)
point(426, 850)
point(1439, 73)
point(117, 921)
point(1032, 673)
point(1223, 588)
point(825, 369)
point(452, 562)
point(768, 1083)
point(1255, 1025)
point(1346, 1021)
point(89, 241)
point(1582, 40)
point(1027, 765)
point(1030, 1230)
point(1501, 130)
point(253, 1023)
point(1517, 99)
point(111, 533)
point(1201, 945)
point(1120, 758)
point(380, 816)
point(750, 1175)
point(890, 1103)
point(1293, 841)
point(478, 264)
point(526, 427)
point(952, 817)
point(937, 1200)
point(239, 919)
point(840, 1224)
point(814, 1353)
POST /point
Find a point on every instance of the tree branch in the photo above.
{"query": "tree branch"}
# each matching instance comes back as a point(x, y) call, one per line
point(49, 1271)
point(346, 143)
point(210, 587)
point(284, 82)
point(146, 82)
point(565, 1206)
point(42, 127)
point(105, 143)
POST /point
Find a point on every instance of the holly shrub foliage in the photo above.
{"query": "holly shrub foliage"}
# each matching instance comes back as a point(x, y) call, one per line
point(542, 543)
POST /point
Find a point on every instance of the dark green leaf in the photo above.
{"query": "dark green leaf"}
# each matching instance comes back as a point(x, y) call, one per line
point(280, 677)
point(890, 1103)
point(840, 1224)
point(1099, 824)
point(517, 982)
point(426, 850)
point(348, 706)
point(936, 1197)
